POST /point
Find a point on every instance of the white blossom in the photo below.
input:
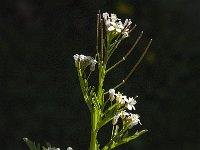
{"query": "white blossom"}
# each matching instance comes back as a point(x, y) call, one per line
point(111, 28)
point(76, 57)
point(130, 103)
point(92, 65)
point(114, 24)
point(133, 120)
point(127, 22)
point(69, 148)
point(85, 60)
point(120, 98)
point(111, 94)
point(124, 114)
point(126, 34)
point(119, 27)
point(115, 119)
point(81, 58)
point(114, 18)
point(105, 16)
point(53, 148)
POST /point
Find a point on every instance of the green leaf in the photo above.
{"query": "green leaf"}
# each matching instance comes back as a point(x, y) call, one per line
point(44, 148)
point(31, 144)
point(119, 141)
point(136, 135)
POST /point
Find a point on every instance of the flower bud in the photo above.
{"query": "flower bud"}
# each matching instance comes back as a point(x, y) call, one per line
point(69, 148)
point(92, 65)
point(111, 94)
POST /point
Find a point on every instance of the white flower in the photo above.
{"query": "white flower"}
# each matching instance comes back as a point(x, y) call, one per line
point(120, 98)
point(124, 114)
point(119, 27)
point(82, 57)
point(53, 148)
point(115, 119)
point(92, 65)
point(85, 61)
point(133, 120)
point(69, 148)
point(105, 16)
point(76, 57)
point(114, 17)
point(127, 22)
point(111, 28)
point(130, 103)
point(126, 34)
point(114, 24)
point(111, 94)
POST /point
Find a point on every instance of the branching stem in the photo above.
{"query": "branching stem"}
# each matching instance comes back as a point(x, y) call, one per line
point(127, 54)
point(135, 66)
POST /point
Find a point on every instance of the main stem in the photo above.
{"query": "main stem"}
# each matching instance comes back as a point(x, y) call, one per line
point(95, 114)
point(94, 120)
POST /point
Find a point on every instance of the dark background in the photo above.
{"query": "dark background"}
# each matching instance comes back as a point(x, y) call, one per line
point(40, 93)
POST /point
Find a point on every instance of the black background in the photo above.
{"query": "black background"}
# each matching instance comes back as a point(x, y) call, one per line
point(40, 93)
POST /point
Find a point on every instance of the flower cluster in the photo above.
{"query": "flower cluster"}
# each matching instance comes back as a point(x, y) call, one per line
point(53, 148)
point(110, 32)
point(133, 119)
point(129, 103)
point(122, 99)
point(129, 118)
point(114, 24)
point(85, 61)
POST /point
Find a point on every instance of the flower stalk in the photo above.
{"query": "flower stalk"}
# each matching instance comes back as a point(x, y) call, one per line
point(106, 106)
point(110, 33)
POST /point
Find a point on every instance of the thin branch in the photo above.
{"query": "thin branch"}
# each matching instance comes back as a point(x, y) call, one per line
point(132, 28)
point(127, 54)
point(135, 66)
point(102, 40)
point(119, 39)
point(97, 44)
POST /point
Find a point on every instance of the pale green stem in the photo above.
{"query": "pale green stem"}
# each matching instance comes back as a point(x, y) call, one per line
point(102, 40)
point(94, 120)
point(127, 54)
point(109, 144)
point(135, 66)
point(118, 41)
point(94, 113)
point(97, 44)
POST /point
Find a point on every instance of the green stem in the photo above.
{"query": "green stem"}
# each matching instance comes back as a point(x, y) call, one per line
point(101, 81)
point(109, 145)
point(94, 120)
point(127, 54)
point(135, 66)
